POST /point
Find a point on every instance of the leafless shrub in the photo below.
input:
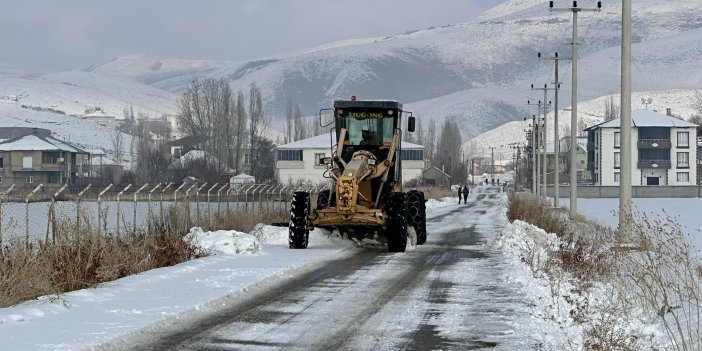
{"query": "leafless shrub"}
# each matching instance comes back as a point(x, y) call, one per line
point(666, 277)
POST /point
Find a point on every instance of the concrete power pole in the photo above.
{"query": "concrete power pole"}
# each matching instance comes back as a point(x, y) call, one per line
point(492, 157)
point(556, 139)
point(544, 164)
point(538, 156)
point(574, 103)
point(625, 216)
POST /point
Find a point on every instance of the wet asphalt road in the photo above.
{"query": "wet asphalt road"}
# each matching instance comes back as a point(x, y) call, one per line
point(444, 295)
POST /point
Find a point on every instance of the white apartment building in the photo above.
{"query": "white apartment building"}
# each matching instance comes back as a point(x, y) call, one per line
point(663, 150)
point(301, 160)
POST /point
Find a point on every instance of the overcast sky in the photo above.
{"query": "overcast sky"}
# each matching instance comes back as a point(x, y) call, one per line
point(54, 35)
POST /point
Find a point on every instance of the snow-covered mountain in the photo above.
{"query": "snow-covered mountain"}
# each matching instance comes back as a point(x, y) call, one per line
point(477, 72)
point(73, 92)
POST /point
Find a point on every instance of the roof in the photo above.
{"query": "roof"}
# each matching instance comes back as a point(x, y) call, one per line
point(189, 140)
point(36, 142)
point(367, 104)
point(647, 118)
point(193, 155)
point(436, 169)
point(324, 141)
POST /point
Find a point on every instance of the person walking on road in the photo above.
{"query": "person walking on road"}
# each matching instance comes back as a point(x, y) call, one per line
point(459, 194)
point(465, 195)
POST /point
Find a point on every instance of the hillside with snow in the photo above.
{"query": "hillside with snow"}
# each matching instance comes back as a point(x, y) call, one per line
point(590, 112)
point(478, 72)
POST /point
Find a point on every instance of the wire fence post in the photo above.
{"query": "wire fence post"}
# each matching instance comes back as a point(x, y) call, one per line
point(197, 203)
point(26, 217)
point(260, 198)
point(209, 209)
point(161, 201)
point(135, 207)
point(80, 194)
point(2, 197)
point(118, 217)
point(219, 198)
point(150, 213)
point(187, 204)
point(280, 197)
point(52, 216)
point(99, 214)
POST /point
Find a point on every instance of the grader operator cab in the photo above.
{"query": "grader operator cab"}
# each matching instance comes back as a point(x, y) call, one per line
point(365, 173)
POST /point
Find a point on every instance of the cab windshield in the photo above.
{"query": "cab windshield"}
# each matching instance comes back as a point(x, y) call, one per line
point(362, 130)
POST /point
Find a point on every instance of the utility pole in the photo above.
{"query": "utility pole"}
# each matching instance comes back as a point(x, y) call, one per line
point(556, 139)
point(492, 156)
point(625, 216)
point(529, 150)
point(541, 150)
point(574, 104)
point(544, 164)
point(518, 156)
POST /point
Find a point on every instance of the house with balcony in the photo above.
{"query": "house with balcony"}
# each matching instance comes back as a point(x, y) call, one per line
point(663, 150)
point(301, 161)
point(30, 156)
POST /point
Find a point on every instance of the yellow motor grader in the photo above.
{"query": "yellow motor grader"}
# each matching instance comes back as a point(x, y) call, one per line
point(366, 175)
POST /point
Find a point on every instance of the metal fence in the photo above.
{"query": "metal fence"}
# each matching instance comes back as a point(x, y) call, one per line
point(32, 215)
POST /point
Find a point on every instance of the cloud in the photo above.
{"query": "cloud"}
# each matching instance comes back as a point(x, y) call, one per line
point(49, 35)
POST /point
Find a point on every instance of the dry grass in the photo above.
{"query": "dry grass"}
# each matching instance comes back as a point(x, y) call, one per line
point(658, 274)
point(82, 258)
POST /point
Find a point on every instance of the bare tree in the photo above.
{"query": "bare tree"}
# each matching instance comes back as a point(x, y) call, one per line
point(206, 110)
point(258, 124)
point(419, 132)
point(448, 150)
point(117, 145)
point(611, 109)
point(239, 129)
point(289, 127)
point(430, 142)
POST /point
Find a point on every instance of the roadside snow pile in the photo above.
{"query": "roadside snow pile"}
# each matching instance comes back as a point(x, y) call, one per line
point(274, 235)
point(571, 313)
point(432, 204)
point(224, 241)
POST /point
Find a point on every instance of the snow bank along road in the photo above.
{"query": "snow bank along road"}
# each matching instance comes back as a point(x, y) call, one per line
point(450, 293)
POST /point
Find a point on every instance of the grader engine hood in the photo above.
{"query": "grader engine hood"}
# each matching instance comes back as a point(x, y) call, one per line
point(349, 183)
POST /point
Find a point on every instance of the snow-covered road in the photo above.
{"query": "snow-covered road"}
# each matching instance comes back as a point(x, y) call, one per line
point(447, 294)
point(458, 291)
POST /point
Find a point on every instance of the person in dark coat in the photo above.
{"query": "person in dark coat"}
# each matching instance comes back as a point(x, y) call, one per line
point(465, 194)
point(459, 193)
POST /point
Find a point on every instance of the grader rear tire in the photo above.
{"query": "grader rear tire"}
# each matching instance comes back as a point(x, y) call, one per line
point(417, 214)
point(298, 232)
point(396, 226)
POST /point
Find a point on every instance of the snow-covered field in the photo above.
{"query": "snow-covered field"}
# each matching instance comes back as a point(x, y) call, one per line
point(685, 210)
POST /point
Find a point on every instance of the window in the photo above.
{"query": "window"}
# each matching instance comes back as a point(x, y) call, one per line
point(412, 155)
point(617, 139)
point(289, 155)
point(617, 162)
point(30, 179)
point(247, 159)
point(53, 177)
point(318, 159)
point(27, 162)
point(50, 157)
point(1, 165)
point(683, 177)
point(683, 139)
point(683, 160)
point(0, 180)
point(616, 177)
